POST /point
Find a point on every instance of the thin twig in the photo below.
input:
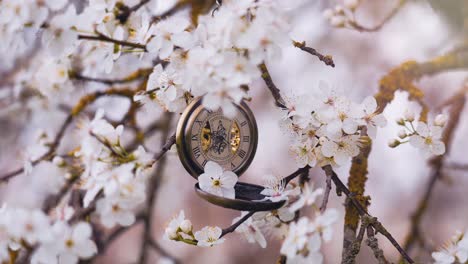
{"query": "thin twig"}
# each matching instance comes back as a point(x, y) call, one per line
point(363, 212)
point(233, 227)
point(355, 25)
point(279, 101)
point(140, 74)
point(104, 38)
point(76, 110)
point(326, 195)
point(46, 156)
point(327, 59)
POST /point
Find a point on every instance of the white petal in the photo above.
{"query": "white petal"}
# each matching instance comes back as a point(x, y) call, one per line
point(183, 40)
point(213, 168)
point(438, 148)
point(329, 148)
point(229, 193)
point(81, 231)
point(369, 104)
point(229, 179)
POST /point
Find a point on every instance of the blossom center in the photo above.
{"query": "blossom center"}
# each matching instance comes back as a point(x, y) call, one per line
point(216, 183)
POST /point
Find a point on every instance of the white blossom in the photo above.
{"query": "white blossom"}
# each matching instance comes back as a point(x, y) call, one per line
point(217, 181)
point(209, 236)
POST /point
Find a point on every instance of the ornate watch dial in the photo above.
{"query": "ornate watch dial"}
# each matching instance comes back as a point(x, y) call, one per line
point(204, 135)
point(217, 138)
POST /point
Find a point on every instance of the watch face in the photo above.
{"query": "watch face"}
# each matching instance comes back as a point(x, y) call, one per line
point(204, 135)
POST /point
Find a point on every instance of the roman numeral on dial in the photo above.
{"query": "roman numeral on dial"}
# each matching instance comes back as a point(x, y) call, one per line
point(241, 153)
point(245, 138)
point(196, 152)
point(243, 123)
point(195, 137)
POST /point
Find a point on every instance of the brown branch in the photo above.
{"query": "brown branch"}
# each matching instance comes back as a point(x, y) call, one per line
point(76, 110)
point(327, 59)
point(373, 243)
point(437, 164)
point(137, 75)
point(279, 101)
point(166, 147)
point(103, 38)
point(153, 186)
point(233, 227)
point(355, 25)
point(46, 156)
point(363, 212)
point(456, 166)
point(125, 11)
point(326, 195)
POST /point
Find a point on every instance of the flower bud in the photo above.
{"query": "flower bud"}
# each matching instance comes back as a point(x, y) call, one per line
point(186, 226)
point(393, 143)
point(440, 120)
point(339, 9)
point(337, 21)
point(58, 161)
point(402, 134)
point(409, 116)
point(400, 121)
point(351, 4)
point(328, 14)
point(171, 233)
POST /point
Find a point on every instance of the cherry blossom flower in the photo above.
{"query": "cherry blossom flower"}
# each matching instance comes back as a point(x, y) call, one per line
point(297, 237)
point(456, 251)
point(251, 230)
point(115, 211)
point(371, 118)
point(177, 226)
point(276, 190)
point(305, 152)
point(217, 181)
point(169, 33)
point(306, 198)
point(428, 139)
point(70, 244)
point(209, 236)
point(341, 149)
point(323, 223)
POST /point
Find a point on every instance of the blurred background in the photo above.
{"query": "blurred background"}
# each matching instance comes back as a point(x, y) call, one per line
point(397, 177)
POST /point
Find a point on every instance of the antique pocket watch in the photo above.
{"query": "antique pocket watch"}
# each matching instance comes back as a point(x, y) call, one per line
point(204, 135)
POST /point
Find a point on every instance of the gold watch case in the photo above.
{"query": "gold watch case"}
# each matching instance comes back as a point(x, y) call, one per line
point(183, 137)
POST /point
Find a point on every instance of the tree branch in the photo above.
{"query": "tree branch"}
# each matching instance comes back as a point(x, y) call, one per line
point(363, 212)
point(233, 227)
point(103, 38)
point(327, 59)
point(153, 186)
point(355, 25)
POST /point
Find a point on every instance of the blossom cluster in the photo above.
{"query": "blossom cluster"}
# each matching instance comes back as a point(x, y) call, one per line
point(455, 251)
point(342, 15)
point(109, 170)
point(327, 128)
point(302, 239)
point(180, 229)
point(427, 138)
point(218, 59)
point(56, 241)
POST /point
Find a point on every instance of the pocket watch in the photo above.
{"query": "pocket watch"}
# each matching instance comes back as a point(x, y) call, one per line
point(204, 135)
